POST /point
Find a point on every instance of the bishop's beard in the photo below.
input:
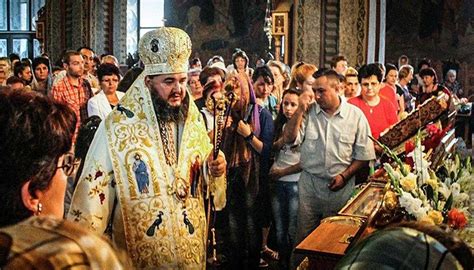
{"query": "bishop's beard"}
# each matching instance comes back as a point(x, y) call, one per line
point(166, 113)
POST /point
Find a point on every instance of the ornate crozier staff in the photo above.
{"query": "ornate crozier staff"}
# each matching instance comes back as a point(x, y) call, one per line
point(221, 111)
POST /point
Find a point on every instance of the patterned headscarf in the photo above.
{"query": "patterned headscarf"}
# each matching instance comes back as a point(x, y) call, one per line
point(238, 152)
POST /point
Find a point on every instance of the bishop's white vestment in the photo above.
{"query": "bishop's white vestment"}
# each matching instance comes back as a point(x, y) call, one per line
point(127, 187)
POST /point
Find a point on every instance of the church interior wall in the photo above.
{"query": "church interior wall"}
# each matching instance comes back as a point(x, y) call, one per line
point(217, 27)
point(444, 34)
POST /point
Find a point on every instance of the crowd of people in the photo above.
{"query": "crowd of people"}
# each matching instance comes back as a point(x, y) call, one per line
point(147, 157)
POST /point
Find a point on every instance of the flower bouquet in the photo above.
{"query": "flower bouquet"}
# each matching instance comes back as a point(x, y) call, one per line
point(420, 193)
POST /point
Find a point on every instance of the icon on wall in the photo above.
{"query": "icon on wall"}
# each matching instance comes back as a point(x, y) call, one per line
point(280, 23)
point(40, 30)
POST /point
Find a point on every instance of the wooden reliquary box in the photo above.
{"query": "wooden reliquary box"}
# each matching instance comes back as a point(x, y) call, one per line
point(328, 243)
point(429, 111)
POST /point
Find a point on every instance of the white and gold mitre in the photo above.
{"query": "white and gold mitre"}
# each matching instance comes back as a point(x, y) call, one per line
point(165, 50)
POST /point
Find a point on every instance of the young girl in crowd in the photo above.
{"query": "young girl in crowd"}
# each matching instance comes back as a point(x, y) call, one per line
point(263, 84)
point(286, 172)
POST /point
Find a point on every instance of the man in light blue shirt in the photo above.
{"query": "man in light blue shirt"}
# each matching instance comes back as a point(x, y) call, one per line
point(335, 145)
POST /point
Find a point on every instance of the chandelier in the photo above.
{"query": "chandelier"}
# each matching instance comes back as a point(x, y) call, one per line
point(267, 26)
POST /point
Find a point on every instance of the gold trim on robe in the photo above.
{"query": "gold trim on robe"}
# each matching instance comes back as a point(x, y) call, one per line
point(126, 164)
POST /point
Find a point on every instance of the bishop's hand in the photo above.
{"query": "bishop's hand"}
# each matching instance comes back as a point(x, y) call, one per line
point(217, 166)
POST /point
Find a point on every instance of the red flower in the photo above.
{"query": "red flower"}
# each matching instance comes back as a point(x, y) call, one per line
point(435, 135)
point(456, 219)
point(98, 174)
point(432, 129)
point(102, 198)
point(409, 146)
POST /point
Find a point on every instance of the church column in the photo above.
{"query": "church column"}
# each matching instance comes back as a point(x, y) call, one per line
point(108, 24)
point(99, 24)
point(307, 34)
point(54, 29)
point(353, 31)
point(376, 31)
point(324, 28)
point(119, 30)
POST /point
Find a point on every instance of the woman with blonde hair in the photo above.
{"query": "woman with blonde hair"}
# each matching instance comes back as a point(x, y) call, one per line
point(351, 85)
point(278, 72)
point(5, 70)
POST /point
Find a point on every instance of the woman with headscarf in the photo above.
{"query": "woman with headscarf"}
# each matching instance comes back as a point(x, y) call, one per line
point(240, 64)
point(247, 144)
point(42, 81)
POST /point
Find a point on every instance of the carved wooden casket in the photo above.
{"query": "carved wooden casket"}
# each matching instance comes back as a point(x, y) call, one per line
point(328, 243)
point(429, 111)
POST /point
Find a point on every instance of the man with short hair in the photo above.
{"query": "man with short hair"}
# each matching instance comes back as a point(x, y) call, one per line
point(73, 89)
point(88, 54)
point(335, 146)
point(339, 64)
point(153, 208)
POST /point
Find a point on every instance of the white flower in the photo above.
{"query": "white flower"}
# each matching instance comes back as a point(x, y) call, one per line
point(444, 190)
point(460, 200)
point(408, 182)
point(464, 179)
point(441, 204)
point(455, 189)
point(452, 166)
point(391, 171)
point(413, 206)
point(423, 198)
point(421, 165)
point(397, 174)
